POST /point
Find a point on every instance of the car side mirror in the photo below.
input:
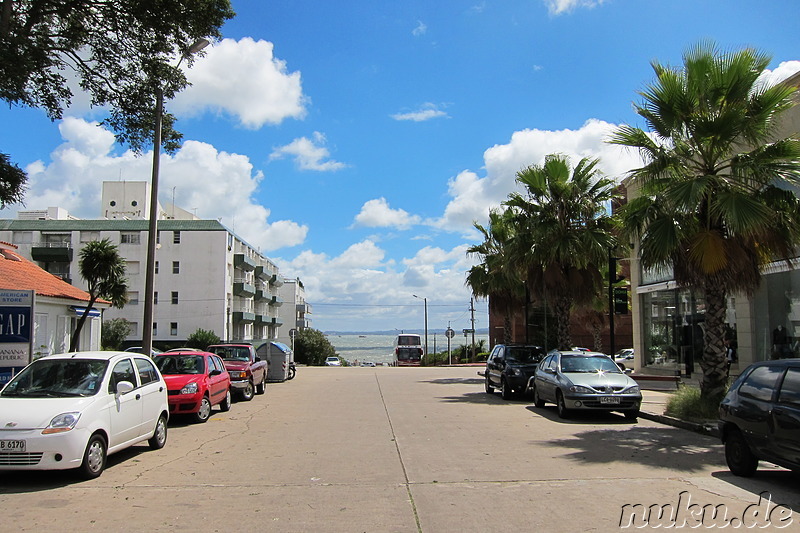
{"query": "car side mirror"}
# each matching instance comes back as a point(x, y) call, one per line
point(215, 372)
point(124, 387)
point(257, 359)
point(549, 371)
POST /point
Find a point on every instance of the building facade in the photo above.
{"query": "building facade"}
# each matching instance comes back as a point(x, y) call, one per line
point(294, 311)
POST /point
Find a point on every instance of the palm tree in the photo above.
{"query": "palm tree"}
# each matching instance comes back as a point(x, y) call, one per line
point(104, 271)
point(495, 278)
point(563, 231)
point(714, 205)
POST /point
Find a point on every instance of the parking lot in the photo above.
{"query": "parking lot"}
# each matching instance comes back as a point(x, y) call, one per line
point(390, 449)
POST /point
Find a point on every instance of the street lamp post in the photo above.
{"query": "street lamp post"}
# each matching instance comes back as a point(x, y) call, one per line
point(425, 302)
point(150, 272)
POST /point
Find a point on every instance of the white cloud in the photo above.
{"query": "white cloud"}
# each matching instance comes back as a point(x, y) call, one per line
point(244, 79)
point(425, 112)
point(473, 195)
point(419, 29)
point(557, 7)
point(783, 71)
point(309, 154)
point(206, 181)
point(377, 214)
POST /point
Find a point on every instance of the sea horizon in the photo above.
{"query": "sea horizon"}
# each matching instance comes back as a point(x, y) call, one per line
point(378, 347)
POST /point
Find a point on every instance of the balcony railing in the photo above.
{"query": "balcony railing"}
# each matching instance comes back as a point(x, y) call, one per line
point(52, 251)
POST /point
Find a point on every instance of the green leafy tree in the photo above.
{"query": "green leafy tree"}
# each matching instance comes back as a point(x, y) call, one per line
point(714, 203)
point(121, 52)
point(12, 182)
point(114, 333)
point(103, 269)
point(312, 347)
point(202, 339)
point(563, 231)
point(496, 277)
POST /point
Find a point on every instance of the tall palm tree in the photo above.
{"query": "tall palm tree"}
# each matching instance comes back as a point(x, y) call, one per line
point(103, 269)
point(714, 205)
point(495, 278)
point(563, 231)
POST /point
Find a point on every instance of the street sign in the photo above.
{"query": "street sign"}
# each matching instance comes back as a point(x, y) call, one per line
point(292, 333)
point(450, 333)
point(468, 331)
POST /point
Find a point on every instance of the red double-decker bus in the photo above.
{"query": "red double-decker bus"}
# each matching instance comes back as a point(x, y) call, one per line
point(408, 350)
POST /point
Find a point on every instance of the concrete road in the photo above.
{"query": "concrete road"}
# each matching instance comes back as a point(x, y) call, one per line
point(401, 449)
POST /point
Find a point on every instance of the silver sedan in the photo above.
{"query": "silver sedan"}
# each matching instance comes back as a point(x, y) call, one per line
point(584, 380)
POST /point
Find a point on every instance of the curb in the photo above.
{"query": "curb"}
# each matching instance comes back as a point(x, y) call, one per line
point(704, 429)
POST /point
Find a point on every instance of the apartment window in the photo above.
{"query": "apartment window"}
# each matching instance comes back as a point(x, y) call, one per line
point(155, 297)
point(89, 236)
point(174, 297)
point(173, 329)
point(129, 237)
point(176, 267)
point(134, 330)
point(156, 269)
point(22, 237)
point(176, 237)
point(155, 329)
point(132, 267)
point(133, 298)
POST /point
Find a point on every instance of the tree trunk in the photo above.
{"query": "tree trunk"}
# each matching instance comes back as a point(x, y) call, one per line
point(563, 306)
point(713, 363)
point(73, 343)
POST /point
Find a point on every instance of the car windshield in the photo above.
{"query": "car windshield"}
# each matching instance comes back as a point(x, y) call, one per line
point(588, 364)
point(181, 364)
point(524, 354)
point(58, 378)
point(232, 353)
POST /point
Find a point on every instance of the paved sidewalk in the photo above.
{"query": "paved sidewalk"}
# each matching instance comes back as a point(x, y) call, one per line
point(654, 403)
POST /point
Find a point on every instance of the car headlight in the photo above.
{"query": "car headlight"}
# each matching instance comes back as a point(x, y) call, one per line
point(515, 372)
point(631, 390)
point(190, 388)
point(61, 423)
point(581, 389)
point(238, 375)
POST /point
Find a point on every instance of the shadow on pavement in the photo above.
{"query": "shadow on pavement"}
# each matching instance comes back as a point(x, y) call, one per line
point(781, 484)
point(658, 447)
point(581, 417)
point(482, 398)
point(455, 381)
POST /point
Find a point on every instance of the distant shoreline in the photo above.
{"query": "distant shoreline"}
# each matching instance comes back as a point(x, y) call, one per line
point(478, 331)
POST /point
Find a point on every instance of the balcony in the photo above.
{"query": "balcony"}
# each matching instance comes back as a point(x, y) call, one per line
point(276, 280)
point(276, 301)
point(49, 252)
point(243, 317)
point(243, 289)
point(262, 320)
point(243, 262)
point(261, 294)
point(262, 273)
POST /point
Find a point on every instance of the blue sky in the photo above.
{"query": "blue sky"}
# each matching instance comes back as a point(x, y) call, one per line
point(355, 142)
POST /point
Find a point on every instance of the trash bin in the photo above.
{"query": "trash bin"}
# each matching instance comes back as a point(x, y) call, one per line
point(278, 357)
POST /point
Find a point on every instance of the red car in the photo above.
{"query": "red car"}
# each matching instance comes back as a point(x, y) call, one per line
point(196, 381)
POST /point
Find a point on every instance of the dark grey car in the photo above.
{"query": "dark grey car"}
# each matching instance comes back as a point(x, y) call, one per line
point(760, 417)
point(586, 381)
point(510, 366)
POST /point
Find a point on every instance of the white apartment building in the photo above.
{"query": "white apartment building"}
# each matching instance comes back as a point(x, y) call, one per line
point(206, 276)
point(295, 311)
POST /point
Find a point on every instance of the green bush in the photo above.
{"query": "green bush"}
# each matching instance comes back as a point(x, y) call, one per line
point(687, 404)
point(114, 333)
point(202, 339)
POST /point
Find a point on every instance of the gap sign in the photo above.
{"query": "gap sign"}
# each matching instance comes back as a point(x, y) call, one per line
point(16, 332)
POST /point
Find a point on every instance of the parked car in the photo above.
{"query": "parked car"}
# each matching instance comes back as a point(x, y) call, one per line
point(587, 381)
point(196, 382)
point(72, 410)
point(333, 361)
point(624, 358)
point(247, 370)
point(509, 367)
point(138, 349)
point(368, 363)
point(759, 418)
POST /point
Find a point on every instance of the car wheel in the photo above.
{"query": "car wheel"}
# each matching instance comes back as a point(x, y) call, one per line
point(247, 392)
point(505, 390)
point(261, 388)
point(94, 458)
point(488, 386)
point(631, 415)
point(159, 438)
point(740, 459)
point(204, 413)
point(537, 400)
point(291, 373)
point(225, 405)
point(563, 412)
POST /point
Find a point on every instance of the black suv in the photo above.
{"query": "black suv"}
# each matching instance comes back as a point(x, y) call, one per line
point(509, 367)
point(760, 417)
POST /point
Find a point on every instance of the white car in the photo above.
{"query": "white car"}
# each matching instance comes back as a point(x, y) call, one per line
point(73, 410)
point(333, 361)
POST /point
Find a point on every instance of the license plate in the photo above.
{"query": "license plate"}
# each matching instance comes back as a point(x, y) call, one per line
point(609, 399)
point(12, 445)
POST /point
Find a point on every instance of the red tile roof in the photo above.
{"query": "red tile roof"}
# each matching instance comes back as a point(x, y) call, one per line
point(18, 273)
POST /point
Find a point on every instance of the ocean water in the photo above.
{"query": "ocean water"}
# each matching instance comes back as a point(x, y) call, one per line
point(379, 348)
